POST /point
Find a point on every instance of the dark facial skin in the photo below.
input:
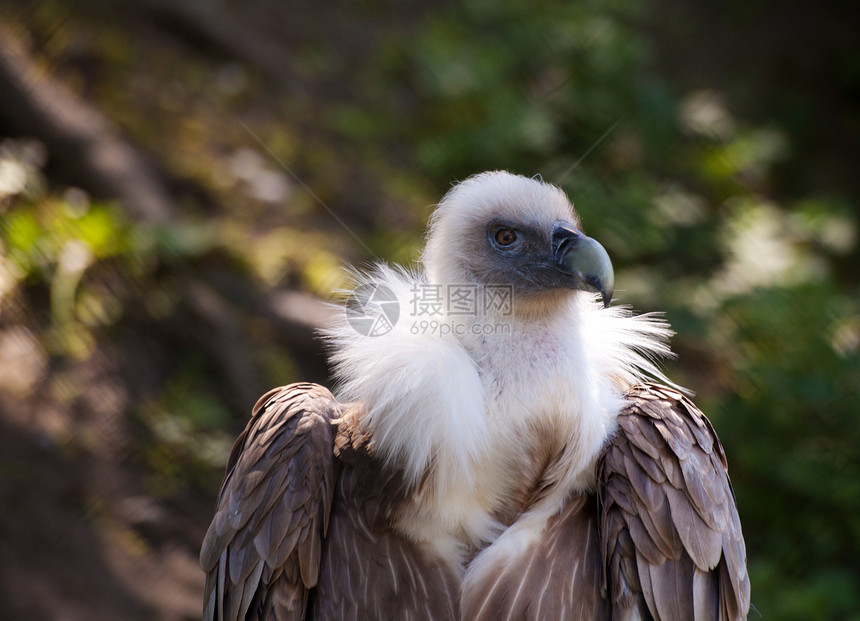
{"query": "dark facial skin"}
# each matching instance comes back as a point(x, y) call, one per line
point(535, 259)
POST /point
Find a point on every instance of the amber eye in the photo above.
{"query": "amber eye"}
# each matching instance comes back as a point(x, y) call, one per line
point(505, 237)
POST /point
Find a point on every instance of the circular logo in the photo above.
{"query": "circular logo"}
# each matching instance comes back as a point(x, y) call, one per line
point(372, 309)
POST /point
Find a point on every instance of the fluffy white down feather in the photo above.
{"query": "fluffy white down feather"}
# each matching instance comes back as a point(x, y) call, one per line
point(430, 401)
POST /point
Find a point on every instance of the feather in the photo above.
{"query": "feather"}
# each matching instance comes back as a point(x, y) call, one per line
point(543, 568)
point(249, 589)
point(705, 594)
point(371, 572)
point(702, 544)
point(672, 582)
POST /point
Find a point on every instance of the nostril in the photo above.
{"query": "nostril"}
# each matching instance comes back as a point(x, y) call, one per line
point(562, 235)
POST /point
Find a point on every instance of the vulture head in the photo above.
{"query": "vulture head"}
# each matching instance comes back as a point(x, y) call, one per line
point(502, 229)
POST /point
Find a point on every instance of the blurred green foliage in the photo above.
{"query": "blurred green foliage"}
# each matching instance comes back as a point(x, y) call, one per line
point(678, 187)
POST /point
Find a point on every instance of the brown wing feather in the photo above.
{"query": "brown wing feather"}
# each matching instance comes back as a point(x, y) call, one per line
point(555, 579)
point(670, 532)
point(262, 551)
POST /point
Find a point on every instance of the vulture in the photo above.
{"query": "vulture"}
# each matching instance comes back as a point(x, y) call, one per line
point(506, 448)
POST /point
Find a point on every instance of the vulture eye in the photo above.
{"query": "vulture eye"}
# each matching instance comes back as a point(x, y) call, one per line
point(504, 237)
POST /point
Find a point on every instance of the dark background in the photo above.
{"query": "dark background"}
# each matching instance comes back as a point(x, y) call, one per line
point(182, 182)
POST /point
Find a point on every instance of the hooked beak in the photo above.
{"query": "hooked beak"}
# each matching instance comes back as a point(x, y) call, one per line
point(584, 260)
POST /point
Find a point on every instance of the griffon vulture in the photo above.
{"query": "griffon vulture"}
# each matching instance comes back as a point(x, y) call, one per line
point(507, 461)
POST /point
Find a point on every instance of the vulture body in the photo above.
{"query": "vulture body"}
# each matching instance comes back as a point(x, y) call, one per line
point(508, 463)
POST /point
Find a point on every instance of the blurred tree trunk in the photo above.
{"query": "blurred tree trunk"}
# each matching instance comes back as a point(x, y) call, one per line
point(88, 149)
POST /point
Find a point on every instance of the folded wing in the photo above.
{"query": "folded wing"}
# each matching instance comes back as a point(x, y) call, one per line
point(262, 551)
point(670, 533)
